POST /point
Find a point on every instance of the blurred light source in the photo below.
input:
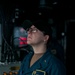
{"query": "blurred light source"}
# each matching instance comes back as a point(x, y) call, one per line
point(40, 13)
point(45, 4)
point(16, 12)
point(17, 9)
point(54, 3)
point(62, 33)
point(16, 16)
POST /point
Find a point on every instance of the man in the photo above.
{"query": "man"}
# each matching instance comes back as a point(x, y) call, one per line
point(40, 61)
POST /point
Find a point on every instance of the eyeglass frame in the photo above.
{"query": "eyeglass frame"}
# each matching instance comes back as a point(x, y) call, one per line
point(33, 30)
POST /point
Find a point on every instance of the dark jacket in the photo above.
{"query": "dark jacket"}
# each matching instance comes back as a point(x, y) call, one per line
point(46, 65)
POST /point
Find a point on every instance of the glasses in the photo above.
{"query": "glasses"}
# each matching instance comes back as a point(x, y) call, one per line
point(31, 30)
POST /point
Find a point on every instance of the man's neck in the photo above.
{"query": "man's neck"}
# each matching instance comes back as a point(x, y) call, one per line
point(39, 49)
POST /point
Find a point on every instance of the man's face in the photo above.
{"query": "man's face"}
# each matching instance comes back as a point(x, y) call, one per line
point(35, 36)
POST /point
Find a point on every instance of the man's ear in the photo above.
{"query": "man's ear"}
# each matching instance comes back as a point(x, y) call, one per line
point(46, 38)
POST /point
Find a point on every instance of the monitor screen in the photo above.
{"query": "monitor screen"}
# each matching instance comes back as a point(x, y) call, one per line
point(19, 37)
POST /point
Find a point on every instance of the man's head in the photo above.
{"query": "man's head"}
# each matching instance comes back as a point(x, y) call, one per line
point(39, 32)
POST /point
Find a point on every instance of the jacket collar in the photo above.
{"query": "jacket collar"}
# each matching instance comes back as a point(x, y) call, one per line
point(39, 64)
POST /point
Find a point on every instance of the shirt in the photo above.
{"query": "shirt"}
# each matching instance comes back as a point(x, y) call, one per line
point(45, 65)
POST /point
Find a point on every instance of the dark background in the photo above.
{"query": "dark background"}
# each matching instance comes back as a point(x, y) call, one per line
point(61, 11)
